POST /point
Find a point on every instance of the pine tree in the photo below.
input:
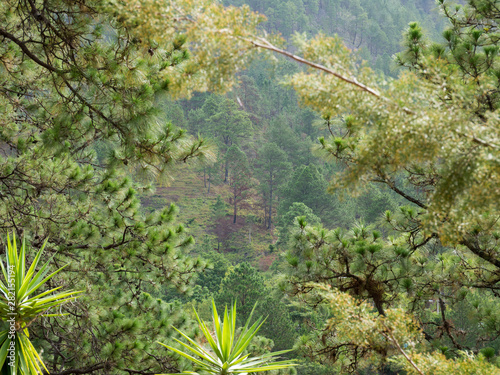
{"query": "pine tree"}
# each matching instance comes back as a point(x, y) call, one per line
point(80, 108)
point(273, 170)
point(210, 279)
point(245, 286)
point(287, 221)
point(250, 98)
point(219, 213)
point(227, 124)
point(307, 185)
point(241, 182)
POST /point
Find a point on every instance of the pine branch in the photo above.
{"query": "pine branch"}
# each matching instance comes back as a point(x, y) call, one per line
point(266, 45)
point(28, 53)
point(352, 81)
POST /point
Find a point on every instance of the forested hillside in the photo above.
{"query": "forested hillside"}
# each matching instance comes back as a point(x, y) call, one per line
point(329, 166)
point(264, 120)
point(372, 27)
point(243, 208)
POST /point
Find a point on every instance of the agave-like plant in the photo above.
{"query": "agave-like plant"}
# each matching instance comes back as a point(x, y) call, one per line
point(18, 309)
point(227, 354)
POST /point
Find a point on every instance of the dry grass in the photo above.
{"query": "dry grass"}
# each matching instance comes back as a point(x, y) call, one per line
point(249, 239)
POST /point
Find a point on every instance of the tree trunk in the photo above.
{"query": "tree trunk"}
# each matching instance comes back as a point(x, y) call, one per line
point(228, 143)
point(269, 216)
point(209, 178)
point(270, 203)
point(226, 173)
point(235, 211)
point(204, 177)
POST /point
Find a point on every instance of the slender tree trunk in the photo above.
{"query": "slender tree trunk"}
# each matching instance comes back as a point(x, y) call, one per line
point(235, 211)
point(360, 42)
point(270, 203)
point(228, 143)
point(209, 180)
point(270, 215)
point(56, 356)
point(204, 177)
point(226, 173)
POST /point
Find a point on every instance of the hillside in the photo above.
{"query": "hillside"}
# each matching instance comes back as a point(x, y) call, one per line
point(273, 115)
point(246, 240)
point(331, 194)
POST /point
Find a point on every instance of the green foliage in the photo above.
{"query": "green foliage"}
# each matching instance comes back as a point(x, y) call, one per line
point(273, 170)
point(279, 325)
point(245, 286)
point(394, 273)
point(287, 130)
point(219, 208)
point(356, 262)
point(226, 123)
point(228, 352)
point(210, 279)
point(355, 325)
point(227, 120)
point(287, 221)
point(308, 186)
point(373, 203)
point(239, 179)
point(372, 25)
point(251, 98)
point(214, 48)
point(85, 106)
point(18, 308)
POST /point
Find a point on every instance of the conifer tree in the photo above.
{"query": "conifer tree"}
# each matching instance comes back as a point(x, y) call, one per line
point(241, 182)
point(245, 286)
point(80, 109)
point(287, 221)
point(307, 185)
point(219, 213)
point(250, 98)
point(227, 123)
point(273, 170)
point(210, 279)
point(447, 173)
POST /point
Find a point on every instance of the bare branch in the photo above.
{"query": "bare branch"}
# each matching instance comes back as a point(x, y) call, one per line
point(266, 45)
point(389, 336)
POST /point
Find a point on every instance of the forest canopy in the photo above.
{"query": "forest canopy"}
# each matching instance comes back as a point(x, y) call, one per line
point(346, 183)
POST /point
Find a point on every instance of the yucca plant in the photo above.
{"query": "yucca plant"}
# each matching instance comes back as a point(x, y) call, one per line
point(226, 353)
point(19, 309)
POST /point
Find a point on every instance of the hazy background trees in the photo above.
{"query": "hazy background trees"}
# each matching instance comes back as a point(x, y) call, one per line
point(97, 113)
